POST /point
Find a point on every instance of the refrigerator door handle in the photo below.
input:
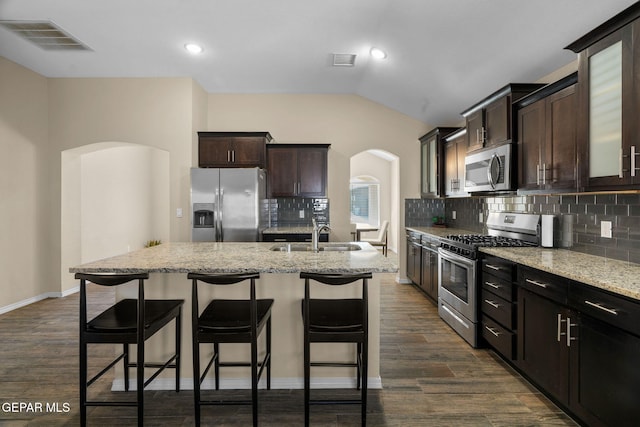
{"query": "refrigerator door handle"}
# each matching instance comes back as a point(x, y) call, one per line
point(215, 217)
point(220, 207)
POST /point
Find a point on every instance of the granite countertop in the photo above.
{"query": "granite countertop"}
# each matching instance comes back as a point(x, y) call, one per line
point(612, 275)
point(229, 257)
point(290, 230)
point(440, 231)
point(619, 277)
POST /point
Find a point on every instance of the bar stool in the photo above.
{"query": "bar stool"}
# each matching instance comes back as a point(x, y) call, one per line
point(129, 321)
point(339, 321)
point(230, 321)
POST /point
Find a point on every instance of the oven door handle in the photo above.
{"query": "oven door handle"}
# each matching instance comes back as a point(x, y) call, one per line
point(454, 257)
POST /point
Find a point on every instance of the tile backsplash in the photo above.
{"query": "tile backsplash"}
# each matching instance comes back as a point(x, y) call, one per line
point(579, 217)
point(292, 212)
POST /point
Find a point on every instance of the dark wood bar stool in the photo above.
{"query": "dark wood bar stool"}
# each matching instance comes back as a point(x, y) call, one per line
point(336, 320)
point(129, 321)
point(230, 321)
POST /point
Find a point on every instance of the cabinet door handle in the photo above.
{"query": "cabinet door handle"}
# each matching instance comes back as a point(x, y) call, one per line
point(569, 337)
point(478, 136)
point(492, 303)
point(233, 156)
point(633, 160)
point(497, 334)
point(620, 170)
point(484, 135)
point(538, 174)
point(600, 307)
point(544, 174)
point(493, 285)
point(533, 282)
point(560, 322)
point(493, 267)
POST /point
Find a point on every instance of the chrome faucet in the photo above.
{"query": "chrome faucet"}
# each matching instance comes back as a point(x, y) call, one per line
point(315, 234)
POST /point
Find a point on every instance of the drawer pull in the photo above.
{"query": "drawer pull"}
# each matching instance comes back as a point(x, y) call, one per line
point(492, 303)
point(493, 331)
point(600, 307)
point(533, 282)
point(493, 285)
point(493, 267)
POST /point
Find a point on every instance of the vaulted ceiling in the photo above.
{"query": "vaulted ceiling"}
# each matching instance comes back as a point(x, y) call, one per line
point(443, 55)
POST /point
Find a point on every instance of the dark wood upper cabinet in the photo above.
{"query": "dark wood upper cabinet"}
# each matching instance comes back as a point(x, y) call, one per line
point(609, 91)
point(232, 149)
point(455, 148)
point(547, 125)
point(432, 162)
point(297, 170)
point(489, 122)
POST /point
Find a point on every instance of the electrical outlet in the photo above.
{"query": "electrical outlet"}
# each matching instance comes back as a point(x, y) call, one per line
point(481, 217)
point(453, 214)
point(301, 213)
point(605, 229)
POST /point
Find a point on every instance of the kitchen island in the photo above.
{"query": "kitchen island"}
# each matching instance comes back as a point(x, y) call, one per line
point(169, 263)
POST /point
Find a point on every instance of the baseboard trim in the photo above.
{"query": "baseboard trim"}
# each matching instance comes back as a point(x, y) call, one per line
point(245, 383)
point(28, 301)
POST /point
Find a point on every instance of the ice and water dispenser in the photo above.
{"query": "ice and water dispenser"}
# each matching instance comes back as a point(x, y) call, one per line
point(203, 215)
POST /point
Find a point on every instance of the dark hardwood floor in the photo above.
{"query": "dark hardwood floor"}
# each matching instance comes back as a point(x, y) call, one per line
point(431, 377)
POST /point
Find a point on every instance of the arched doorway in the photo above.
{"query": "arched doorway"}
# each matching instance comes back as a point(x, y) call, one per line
point(381, 168)
point(114, 198)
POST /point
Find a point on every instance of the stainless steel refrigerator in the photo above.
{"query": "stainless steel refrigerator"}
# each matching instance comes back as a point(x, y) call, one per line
point(228, 204)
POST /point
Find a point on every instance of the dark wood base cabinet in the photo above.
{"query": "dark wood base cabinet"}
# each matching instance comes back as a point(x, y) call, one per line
point(605, 375)
point(581, 346)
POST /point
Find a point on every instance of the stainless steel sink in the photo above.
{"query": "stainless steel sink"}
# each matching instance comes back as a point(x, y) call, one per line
point(306, 247)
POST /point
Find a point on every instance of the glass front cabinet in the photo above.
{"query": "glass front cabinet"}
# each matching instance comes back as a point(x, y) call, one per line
point(609, 132)
point(432, 162)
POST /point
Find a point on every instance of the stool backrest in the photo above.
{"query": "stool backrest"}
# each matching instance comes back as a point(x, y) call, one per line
point(224, 279)
point(336, 279)
point(111, 280)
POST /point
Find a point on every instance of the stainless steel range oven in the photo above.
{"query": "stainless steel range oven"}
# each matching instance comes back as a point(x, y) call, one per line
point(457, 285)
point(458, 267)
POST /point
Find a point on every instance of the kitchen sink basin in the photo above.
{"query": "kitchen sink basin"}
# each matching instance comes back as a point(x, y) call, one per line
point(306, 247)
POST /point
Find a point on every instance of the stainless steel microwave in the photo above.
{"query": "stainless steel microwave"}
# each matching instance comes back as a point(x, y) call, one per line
point(488, 169)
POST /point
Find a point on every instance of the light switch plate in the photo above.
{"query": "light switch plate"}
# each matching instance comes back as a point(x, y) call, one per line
point(179, 212)
point(481, 217)
point(301, 213)
point(605, 229)
point(453, 214)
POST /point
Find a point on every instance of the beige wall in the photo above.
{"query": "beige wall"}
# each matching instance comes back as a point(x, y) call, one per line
point(24, 200)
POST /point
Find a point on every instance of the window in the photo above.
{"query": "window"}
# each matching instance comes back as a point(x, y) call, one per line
point(365, 200)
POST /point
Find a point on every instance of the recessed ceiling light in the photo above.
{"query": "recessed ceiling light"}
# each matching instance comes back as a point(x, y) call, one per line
point(193, 48)
point(378, 53)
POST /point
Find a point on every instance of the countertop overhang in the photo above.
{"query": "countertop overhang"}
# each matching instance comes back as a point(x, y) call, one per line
point(235, 257)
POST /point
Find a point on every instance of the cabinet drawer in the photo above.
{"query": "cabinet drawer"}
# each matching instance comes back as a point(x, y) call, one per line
point(499, 286)
point(498, 309)
point(501, 339)
point(613, 309)
point(544, 284)
point(499, 267)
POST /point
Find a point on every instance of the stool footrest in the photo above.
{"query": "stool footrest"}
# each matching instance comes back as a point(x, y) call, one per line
point(225, 402)
point(336, 402)
point(92, 403)
point(102, 372)
point(335, 364)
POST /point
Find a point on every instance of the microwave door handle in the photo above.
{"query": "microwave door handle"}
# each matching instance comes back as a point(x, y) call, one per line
point(493, 171)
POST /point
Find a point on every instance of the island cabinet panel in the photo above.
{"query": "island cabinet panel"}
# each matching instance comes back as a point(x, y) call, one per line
point(491, 121)
point(581, 346)
point(297, 170)
point(232, 149)
point(609, 88)
point(547, 156)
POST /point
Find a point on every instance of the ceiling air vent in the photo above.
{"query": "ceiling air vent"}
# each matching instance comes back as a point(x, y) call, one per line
point(44, 34)
point(344, 60)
